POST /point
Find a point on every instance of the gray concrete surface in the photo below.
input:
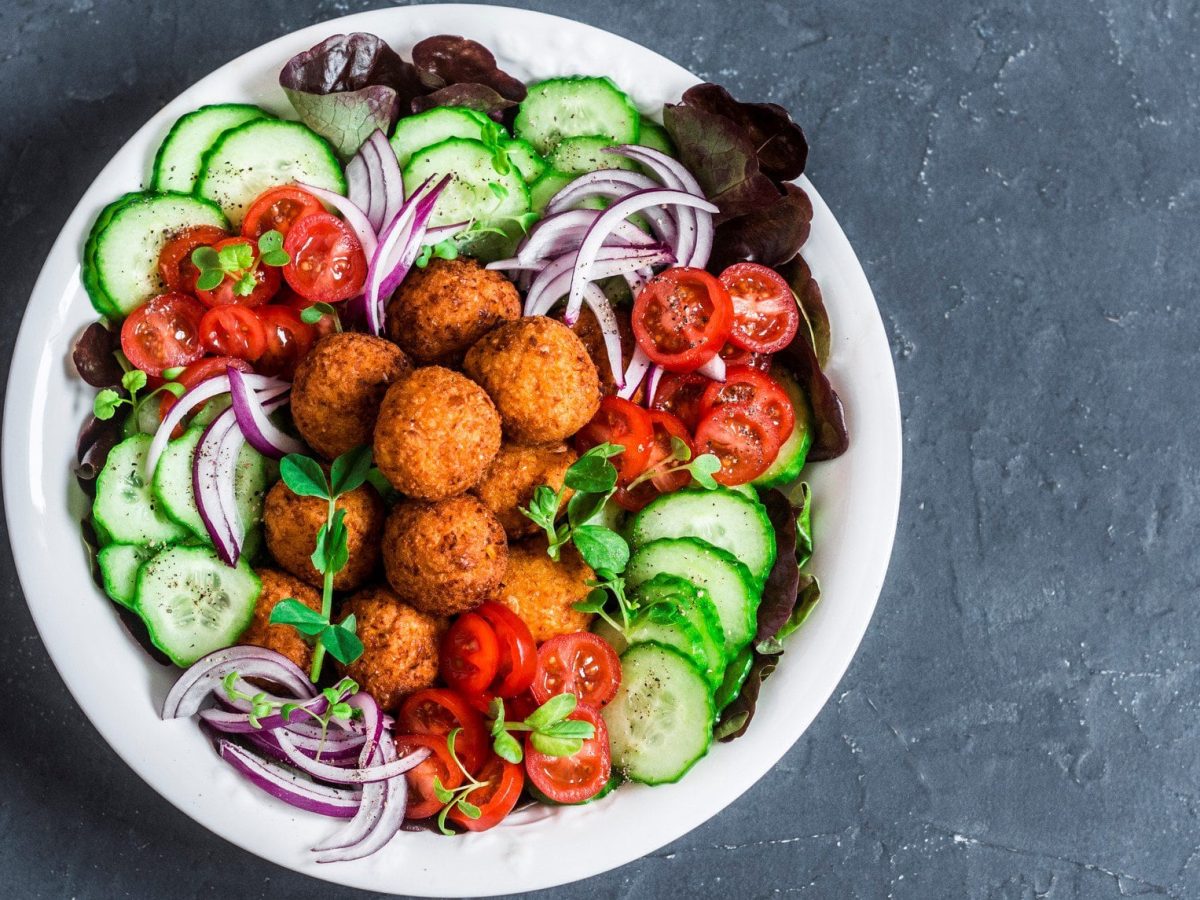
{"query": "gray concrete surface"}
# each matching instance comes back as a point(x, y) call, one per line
point(1021, 182)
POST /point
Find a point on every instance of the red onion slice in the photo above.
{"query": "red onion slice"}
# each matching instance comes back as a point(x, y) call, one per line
point(378, 201)
point(338, 775)
point(639, 362)
point(261, 433)
point(288, 786)
point(394, 243)
point(656, 374)
point(714, 368)
point(354, 216)
point(554, 281)
point(391, 178)
point(392, 809)
point(602, 183)
point(441, 233)
point(607, 320)
point(196, 684)
point(675, 174)
point(358, 184)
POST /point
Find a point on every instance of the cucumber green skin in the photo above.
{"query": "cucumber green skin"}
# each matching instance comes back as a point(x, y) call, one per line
point(158, 177)
point(624, 129)
point(655, 137)
point(527, 160)
point(169, 532)
point(701, 615)
point(110, 562)
point(792, 455)
point(458, 121)
point(101, 302)
point(426, 162)
point(585, 153)
point(735, 676)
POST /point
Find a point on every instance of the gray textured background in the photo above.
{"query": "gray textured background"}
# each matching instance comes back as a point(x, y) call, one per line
point(1020, 181)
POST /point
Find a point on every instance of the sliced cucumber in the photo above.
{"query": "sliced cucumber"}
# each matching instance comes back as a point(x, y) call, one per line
point(570, 107)
point(125, 506)
point(476, 190)
point(661, 720)
point(245, 161)
point(547, 185)
point(724, 518)
point(522, 155)
point(790, 461)
point(192, 603)
point(177, 164)
point(125, 252)
point(698, 610)
point(119, 564)
point(579, 155)
point(101, 302)
point(434, 126)
point(736, 674)
point(729, 583)
point(655, 137)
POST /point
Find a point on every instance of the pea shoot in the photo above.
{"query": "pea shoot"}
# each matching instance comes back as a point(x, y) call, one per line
point(456, 798)
point(550, 731)
point(262, 706)
point(239, 262)
point(108, 401)
point(311, 315)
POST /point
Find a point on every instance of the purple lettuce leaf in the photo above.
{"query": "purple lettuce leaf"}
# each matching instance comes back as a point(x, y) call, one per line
point(95, 356)
point(780, 146)
point(447, 59)
point(478, 97)
point(770, 234)
point(797, 273)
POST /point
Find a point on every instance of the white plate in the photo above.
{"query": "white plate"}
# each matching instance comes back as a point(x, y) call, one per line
point(120, 689)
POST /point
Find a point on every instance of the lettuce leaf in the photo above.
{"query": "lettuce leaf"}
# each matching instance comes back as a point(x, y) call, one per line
point(478, 97)
point(449, 59)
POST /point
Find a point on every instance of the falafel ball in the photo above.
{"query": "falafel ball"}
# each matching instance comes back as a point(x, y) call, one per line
point(445, 557)
point(436, 435)
point(512, 477)
point(291, 523)
point(400, 646)
point(282, 639)
point(338, 389)
point(588, 330)
point(539, 375)
point(441, 310)
point(542, 591)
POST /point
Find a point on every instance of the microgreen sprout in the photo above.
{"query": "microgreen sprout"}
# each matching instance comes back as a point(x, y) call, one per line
point(239, 262)
point(550, 730)
point(680, 459)
point(311, 315)
point(450, 799)
point(262, 706)
point(108, 401)
point(446, 249)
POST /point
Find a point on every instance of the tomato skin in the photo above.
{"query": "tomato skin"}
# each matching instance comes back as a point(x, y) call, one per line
point(436, 712)
point(233, 331)
point(747, 387)
point(289, 298)
point(422, 800)
point(518, 652)
point(327, 261)
point(288, 340)
point(742, 438)
point(736, 356)
point(470, 654)
point(681, 318)
point(196, 373)
point(575, 778)
point(496, 798)
point(765, 314)
point(266, 278)
point(583, 664)
point(680, 395)
point(175, 264)
point(619, 422)
point(666, 427)
point(162, 333)
point(278, 209)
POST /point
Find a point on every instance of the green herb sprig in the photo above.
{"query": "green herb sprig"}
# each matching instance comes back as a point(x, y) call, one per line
point(702, 468)
point(239, 262)
point(550, 731)
point(456, 798)
point(262, 706)
point(108, 401)
point(311, 315)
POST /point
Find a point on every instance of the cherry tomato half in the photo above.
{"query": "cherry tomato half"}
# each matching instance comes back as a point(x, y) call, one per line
point(619, 422)
point(518, 652)
point(196, 373)
point(747, 387)
point(681, 318)
point(742, 438)
point(437, 712)
point(175, 259)
point(580, 776)
point(666, 427)
point(327, 261)
point(680, 394)
point(277, 209)
point(765, 314)
point(163, 333)
point(736, 356)
point(289, 339)
point(266, 281)
point(422, 798)
point(583, 664)
point(470, 654)
point(233, 331)
point(502, 786)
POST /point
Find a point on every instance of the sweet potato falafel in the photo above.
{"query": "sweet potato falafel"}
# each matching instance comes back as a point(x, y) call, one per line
point(512, 478)
point(542, 591)
point(436, 434)
point(338, 389)
point(539, 375)
point(441, 310)
point(282, 639)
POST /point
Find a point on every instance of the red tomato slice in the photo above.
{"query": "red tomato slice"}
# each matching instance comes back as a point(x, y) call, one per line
point(163, 333)
point(765, 314)
point(175, 259)
point(743, 440)
point(470, 654)
point(736, 356)
point(437, 712)
point(288, 297)
point(277, 209)
point(233, 331)
point(266, 282)
point(422, 799)
point(666, 427)
point(681, 318)
point(198, 372)
point(580, 776)
point(327, 261)
point(503, 782)
point(518, 652)
point(288, 340)
point(747, 387)
point(583, 664)
point(619, 422)
point(680, 394)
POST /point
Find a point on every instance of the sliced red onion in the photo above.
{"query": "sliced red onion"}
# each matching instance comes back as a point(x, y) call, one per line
point(374, 796)
point(354, 216)
point(403, 260)
point(562, 232)
point(440, 233)
point(607, 320)
point(343, 757)
point(197, 682)
point(390, 176)
point(358, 184)
point(393, 241)
point(606, 183)
point(392, 809)
point(261, 433)
point(337, 775)
point(377, 205)
point(288, 786)
point(555, 280)
point(714, 368)
point(656, 374)
point(639, 362)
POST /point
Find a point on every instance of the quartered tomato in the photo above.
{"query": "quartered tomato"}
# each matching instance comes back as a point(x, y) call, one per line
point(679, 394)
point(470, 654)
point(327, 261)
point(742, 438)
point(233, 331)
point(580, 776)
point(681, 318)
point(277, 209)
point(175, 259)
point(747, 387)
point(422, 796)
point(765, 314)
point(502, 786)
point(163, 333)
point(518, 652)
point(198, 372)
point(438, 711)
point(583, 664)
point(266, 281)
point(666, 427)
point(289, 339)
point(619, 422)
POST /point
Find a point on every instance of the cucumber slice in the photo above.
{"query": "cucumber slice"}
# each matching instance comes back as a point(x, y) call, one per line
point(732, 588)
point(434, 126)
point(569, 107)
point(119, 564)
point(192, 603)
point(788, 464)
point(736, 674)
point(101, 302)
point(125, 506)
point(580, 155)
point(177, 164)
point(245, 161)
point(125, 252)
point(547, 185)
point(522, 155)
point(476, 190)
point(724, 518)
point(661, 720)
point(655, 137)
